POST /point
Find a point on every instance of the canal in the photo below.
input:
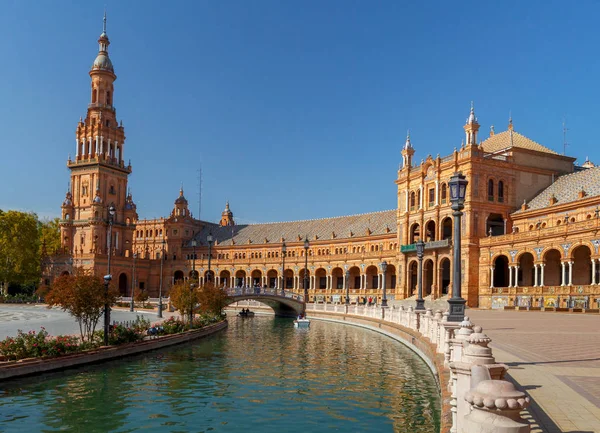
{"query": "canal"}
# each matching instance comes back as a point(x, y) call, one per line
point(260, 375)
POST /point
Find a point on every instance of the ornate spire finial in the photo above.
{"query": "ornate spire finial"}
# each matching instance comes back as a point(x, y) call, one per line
point(408, 144)
point(510, 123)
point(181, 189)
point(472, 107)
point(492, 131)
point(104, 21)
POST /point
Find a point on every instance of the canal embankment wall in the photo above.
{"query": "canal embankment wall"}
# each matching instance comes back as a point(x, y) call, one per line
point(32, 366)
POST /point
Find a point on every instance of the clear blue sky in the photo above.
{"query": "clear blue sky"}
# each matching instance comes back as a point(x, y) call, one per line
point(294, 109)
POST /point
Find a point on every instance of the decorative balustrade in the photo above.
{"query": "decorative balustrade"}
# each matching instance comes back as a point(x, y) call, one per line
point(480, 399)
point(428, 246)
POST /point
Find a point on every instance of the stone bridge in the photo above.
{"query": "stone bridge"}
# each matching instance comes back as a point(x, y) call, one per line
point(284, 303)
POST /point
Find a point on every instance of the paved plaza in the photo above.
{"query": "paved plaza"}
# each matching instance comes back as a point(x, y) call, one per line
point(555, 357)
point(57, 322)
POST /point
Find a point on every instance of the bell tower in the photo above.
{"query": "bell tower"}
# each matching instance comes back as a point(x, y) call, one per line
point(471, 128)
point(98, 173)
point(407, 153)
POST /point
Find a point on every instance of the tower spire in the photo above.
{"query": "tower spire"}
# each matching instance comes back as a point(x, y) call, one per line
point(471, 127)
point(104, 22)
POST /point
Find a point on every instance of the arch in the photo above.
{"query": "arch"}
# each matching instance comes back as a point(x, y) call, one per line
point(320, 279)
point(256, 277)
point(63, 273)
point(354, 282)
point(582, 265)
point(94, 96)
point(272, 277)
point(288, 277)
point(225, 278)
point(490, 190)
point(337, 279)
point(495, 223)
point(526, 273)
point(108, 98)
point(415, 233)
point(372, 279)
point(178, 276)
point(301, 278)
point(552, 270)
point(390, 277)
point(501, 192)
point(194, 275)
point(501, 277)
point(240, 278)
point(123, 289)
point(412, 200)
point(209, 275)
point(444, 193)
point(447, 228)
point(430, 231)
point(444, 275)
point(413, 275)
point(427, 277)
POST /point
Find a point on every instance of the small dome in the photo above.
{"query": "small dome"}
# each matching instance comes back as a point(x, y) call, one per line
point(97, 199)
point(103, 63)
point(68, 201)
point(181, 199)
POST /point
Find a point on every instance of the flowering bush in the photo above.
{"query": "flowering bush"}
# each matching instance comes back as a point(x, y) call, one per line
point(37, 344)
point(174, 326)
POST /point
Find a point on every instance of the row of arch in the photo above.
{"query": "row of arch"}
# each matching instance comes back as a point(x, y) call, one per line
point(430, 234)
point(371, 278)
point(498, 194)
point(554, 269)
point(148, 233)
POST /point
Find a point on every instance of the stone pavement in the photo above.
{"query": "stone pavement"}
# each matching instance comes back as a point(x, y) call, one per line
point(555, 358)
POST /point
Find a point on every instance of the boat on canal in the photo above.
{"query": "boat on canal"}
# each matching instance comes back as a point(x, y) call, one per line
point(246, 313)
point(302, 323)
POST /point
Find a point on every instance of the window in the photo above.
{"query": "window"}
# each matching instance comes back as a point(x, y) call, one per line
point(111, 190)
point(490, 190)
point(500, 192)
point(419, 199)
point(431, 196)
point(444, 193)
point(412, 200)
point(174, 232)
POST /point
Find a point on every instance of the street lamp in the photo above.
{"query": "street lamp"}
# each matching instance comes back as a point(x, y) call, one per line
point(347, 287)
point(209, 239)
point(191, 283)
point(384, 270)
point(458, 187)
point(420, 251)
point(306, 245)
point(108, 276)
point(283, 252)
point(133, 283)
point(162, 259)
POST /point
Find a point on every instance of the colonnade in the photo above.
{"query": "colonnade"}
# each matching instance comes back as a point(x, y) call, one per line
point(538, 274)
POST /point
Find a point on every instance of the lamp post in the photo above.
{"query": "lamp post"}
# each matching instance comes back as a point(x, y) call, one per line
point(191, 283)
point(133, 283)
point(162, 259)
point(283, 252)
point(384, 270)
point(108, 276)
point(420, 251)
point(347, 287)
point(458, 187)
point(209, 239)
point(306, 245)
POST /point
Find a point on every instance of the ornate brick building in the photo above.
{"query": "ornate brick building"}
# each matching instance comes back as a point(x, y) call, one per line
point(530, 225)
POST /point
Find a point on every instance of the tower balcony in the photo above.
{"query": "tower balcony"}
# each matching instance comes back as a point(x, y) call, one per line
point(104, 106)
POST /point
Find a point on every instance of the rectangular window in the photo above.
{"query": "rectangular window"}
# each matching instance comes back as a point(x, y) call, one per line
point(322, 282)
point(393, 282)
point(431, 196)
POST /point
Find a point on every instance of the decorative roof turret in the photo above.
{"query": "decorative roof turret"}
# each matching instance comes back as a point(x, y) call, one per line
point(407, 152)
point(227, 216)
point(181, 199)
point(68, 199)
point(471, 128)
point(102, 62)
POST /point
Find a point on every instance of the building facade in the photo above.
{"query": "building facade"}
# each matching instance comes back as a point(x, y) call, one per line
point(529, 229)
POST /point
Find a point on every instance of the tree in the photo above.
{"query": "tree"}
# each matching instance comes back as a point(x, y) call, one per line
point(19, 248)
point(49, 233)
point(212, 299)
point(184, 297)
point(83, 296)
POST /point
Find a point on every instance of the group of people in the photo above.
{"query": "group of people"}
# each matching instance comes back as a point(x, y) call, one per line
point(364, 301)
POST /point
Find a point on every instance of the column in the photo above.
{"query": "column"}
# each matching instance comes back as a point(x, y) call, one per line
point(542, 266)
point(361, 282)
point(510, 276)
point(344, 282)
point(535, 275)
point(593, 271)
point(517, 276)
point(77, 149)
point(421, 206)
point(379, 280)
point(491, 277)
point(407, 194)
point(437, 184)
point(563, 276)
point(570, 273)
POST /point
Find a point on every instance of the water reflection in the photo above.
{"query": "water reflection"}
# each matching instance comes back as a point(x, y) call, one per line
point(261, 373)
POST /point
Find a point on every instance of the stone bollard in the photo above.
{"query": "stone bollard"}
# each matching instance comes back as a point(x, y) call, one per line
point(437, 324)
point(495, 405)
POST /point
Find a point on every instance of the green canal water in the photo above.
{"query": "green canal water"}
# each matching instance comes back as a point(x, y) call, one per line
point(260, 375)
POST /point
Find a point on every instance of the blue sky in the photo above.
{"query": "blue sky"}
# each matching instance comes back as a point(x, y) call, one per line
point(294, 110)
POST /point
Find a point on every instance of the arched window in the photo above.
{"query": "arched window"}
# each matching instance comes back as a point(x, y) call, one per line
point(500, 192)
point(419, 199)
point(444, 193)
point(108, 101)
point(94, 96)
point(490, 190)
point(412, 200)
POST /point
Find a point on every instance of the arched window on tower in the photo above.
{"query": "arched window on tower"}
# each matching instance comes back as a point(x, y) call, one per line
point(444, 193)
point(412, 200)
point(491, 190)
point(108, 100)
point(94, 96)
point(500, 192)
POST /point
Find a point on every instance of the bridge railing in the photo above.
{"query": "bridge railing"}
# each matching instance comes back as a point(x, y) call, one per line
point(263, 291)
point(468, 359)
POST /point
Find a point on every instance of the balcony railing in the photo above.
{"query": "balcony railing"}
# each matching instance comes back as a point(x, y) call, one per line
point(428, 246)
